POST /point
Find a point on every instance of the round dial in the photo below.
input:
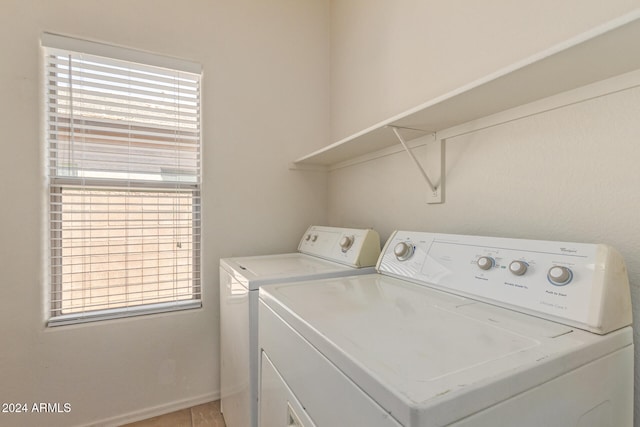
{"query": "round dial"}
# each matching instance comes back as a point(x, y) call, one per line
point(314, 237)
point(403, 250)
point(307, 237)
point(559, 275)
point(485, 262)
point(346, 242)
point(518, 267)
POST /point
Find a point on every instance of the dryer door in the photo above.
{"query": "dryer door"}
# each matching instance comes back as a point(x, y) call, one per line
point(278, 406)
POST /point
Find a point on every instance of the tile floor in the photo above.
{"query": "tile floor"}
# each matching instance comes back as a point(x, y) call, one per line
point(205, 415)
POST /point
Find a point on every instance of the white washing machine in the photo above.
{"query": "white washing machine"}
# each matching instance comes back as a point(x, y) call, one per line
point(454, 331)
point(323, 252)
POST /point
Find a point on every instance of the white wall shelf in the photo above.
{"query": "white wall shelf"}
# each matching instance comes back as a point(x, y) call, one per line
point(606, 51)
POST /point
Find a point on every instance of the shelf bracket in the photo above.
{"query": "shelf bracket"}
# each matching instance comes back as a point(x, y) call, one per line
point(436, 191)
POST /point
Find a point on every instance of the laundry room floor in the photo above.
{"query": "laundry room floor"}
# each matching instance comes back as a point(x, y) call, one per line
point(205, 415)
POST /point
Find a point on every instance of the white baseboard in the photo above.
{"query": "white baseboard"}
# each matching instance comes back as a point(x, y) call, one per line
point(154, 411)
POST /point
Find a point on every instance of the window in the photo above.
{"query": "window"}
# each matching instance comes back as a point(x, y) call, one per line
point(123, 168)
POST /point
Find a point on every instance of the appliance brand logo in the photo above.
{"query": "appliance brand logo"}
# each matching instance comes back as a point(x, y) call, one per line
point(568, 251)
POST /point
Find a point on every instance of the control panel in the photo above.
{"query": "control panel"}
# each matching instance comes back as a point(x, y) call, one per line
point(582, 285)
point(350, 246)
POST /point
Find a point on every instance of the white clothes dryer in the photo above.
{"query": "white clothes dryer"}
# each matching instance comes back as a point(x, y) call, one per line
point(323, 252)
point(454, 331)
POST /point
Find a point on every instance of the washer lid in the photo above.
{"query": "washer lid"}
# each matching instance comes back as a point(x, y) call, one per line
point(411, 347)
point(256, 271)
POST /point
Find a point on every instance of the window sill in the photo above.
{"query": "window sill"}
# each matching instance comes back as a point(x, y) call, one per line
point(118, 313)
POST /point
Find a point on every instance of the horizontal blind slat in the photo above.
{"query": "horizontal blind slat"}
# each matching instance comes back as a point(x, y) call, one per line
point(187, 156)
point(60, 65)
point(63, 98)
point(170, 78)
point(110, 127)
point(80, 94)
point(121, 184)
point(116, 91)
point(134, 115)
point(93, 162)
point(87, 76)
point(57, 69)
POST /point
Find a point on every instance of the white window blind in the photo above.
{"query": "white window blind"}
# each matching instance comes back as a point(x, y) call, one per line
point(123, 165)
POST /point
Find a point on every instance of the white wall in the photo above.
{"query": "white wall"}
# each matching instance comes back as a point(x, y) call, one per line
point(265, 101)
point(570, 174)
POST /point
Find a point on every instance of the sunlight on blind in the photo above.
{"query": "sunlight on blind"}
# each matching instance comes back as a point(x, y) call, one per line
point(118, 121)
point(124, 173)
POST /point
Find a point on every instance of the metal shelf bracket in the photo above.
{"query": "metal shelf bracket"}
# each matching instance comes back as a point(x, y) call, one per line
point(436, 191)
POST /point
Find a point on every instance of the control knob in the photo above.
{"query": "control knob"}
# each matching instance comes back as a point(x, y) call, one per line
point(346, 242)
point(518, 267)
point(485, 262)
point(314, 237)
point(403, 251)
point(559, 275)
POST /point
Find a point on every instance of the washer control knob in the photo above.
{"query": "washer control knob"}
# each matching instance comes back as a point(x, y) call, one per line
point(346, 242)
point(485, 262)
point(314, 237)
point(403, 251)
point(559, 275)
point(307, 237)
point(518, 267)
